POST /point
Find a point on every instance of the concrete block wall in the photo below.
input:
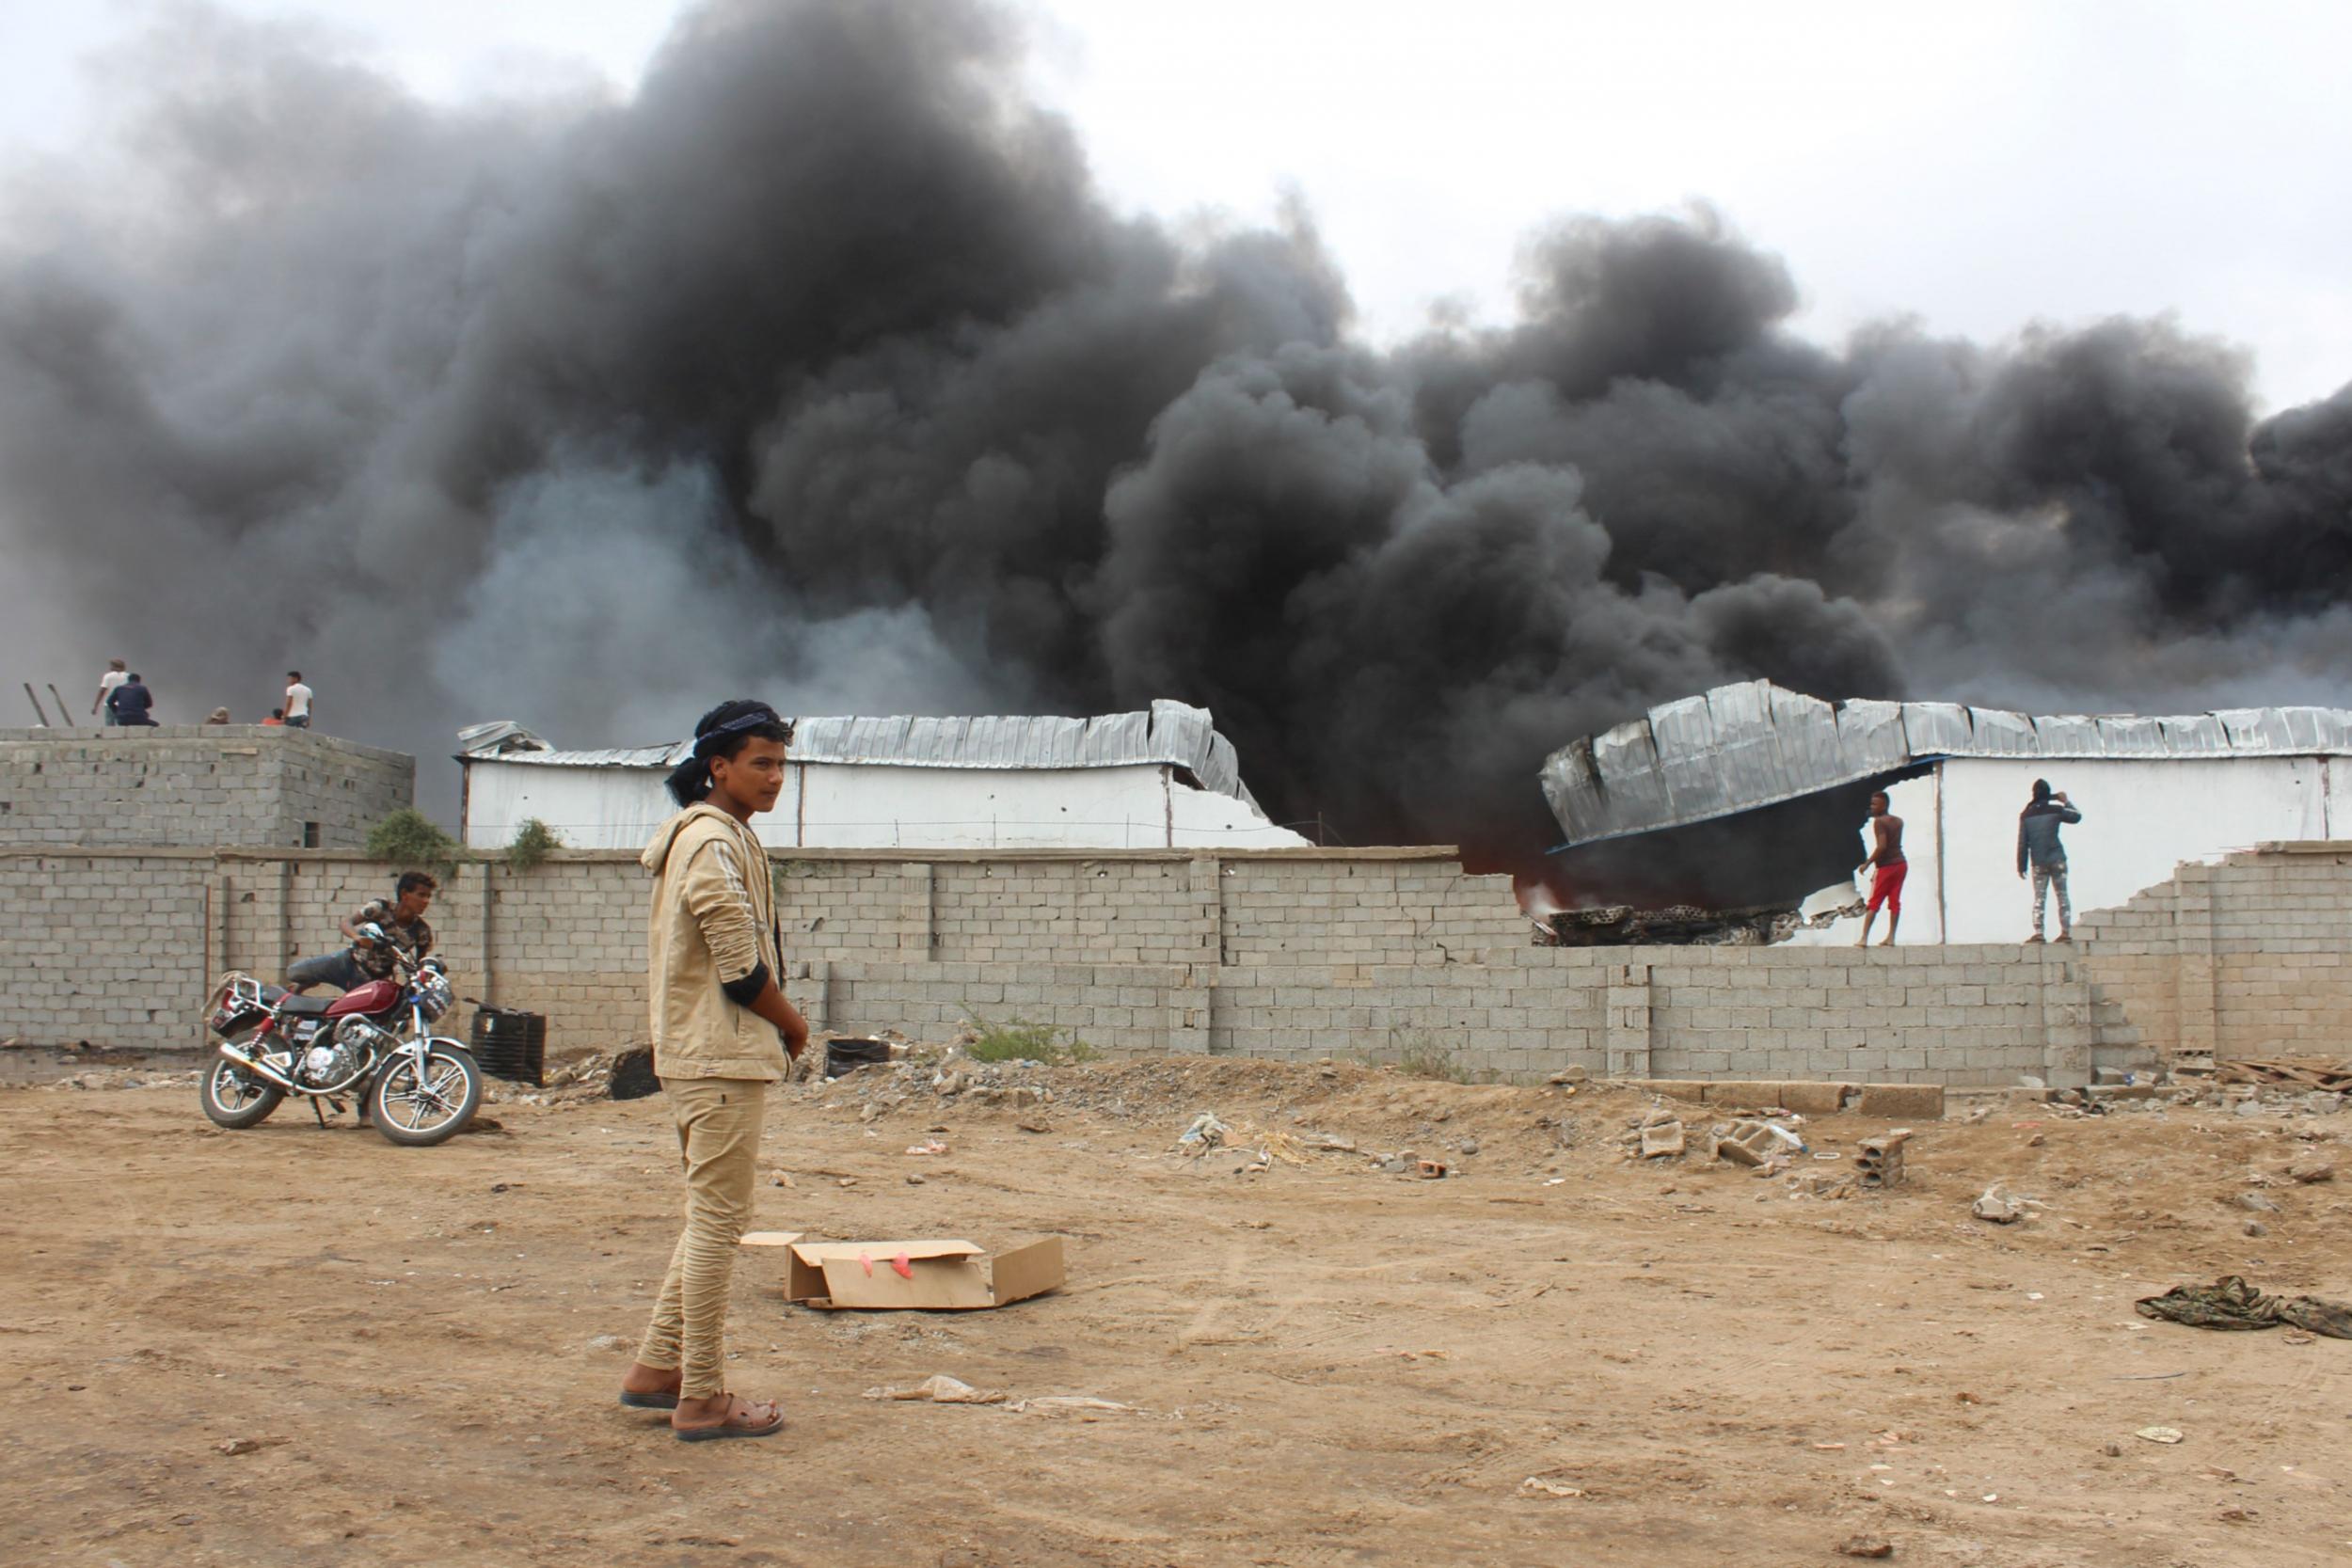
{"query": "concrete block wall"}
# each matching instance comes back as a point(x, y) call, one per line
point(2251, 956)
point(1366, 912)
point(196, 787)
point(104, 949)
point(1380, 956)
point(1926, 1015)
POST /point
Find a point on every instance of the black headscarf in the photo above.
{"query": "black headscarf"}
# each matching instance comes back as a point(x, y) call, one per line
point(721, 731)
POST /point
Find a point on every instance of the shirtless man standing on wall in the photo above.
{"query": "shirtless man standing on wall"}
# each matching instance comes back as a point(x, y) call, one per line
point(1888, 886)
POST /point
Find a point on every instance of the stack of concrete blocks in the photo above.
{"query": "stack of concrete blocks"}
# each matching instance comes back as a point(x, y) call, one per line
point(1879, 1162)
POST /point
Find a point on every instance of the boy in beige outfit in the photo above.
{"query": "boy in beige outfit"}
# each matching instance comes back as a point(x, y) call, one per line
point(718, 1014)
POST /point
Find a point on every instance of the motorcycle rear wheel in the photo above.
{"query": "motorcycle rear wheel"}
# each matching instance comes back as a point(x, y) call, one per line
point(233, 1098)
point(418, 1111)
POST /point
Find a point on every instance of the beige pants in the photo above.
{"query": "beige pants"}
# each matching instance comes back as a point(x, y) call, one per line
point(718, 1135)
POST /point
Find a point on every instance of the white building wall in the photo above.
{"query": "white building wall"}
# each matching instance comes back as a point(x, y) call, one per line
point(2141, 819)
point(843, 806)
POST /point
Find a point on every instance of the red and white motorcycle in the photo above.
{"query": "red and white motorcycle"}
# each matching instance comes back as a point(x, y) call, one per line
point(373, 1043)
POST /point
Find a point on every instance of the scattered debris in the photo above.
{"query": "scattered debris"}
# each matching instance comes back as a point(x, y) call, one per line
point(2231, 1303)
point(1662, 1138)
point(1206, 1134)
point(1429, 1170)
point(2288, 1072)
point(1684, 925)
point(927, 1147)
point(1049, 1403)
point(1746, 1143)
point(2000, 1206)
point(239, 1444)
point(845, 1056)
point(1866, 1546)
point(2159, 1434)
point(940, 1389)
point(1543, 1486)
point(632, 1076)
point(2311, 1170)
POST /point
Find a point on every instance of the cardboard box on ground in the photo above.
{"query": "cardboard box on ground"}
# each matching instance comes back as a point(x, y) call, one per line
point(921, 1277)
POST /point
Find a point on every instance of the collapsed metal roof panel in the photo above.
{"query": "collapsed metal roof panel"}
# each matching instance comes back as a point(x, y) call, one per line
point(1171, 734)
point(1753, 744)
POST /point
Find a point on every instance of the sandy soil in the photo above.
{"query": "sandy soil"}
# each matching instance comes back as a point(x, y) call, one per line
point(1329, 1365)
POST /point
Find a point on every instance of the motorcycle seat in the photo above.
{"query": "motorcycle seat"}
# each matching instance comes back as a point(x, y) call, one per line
point(305, 1006)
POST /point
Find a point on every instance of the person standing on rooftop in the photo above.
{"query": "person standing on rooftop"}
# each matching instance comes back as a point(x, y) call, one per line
point(297, 701)
point(116, 673)
point(2039, 848)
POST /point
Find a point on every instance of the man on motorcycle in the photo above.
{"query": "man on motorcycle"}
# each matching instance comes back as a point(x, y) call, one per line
point(402, 918)
point(717, 1013)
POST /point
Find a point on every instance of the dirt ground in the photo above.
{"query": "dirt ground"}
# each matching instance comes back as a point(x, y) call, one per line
point(1326, 1364)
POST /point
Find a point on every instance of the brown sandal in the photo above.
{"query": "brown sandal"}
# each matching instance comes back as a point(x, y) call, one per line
point(743, 1420)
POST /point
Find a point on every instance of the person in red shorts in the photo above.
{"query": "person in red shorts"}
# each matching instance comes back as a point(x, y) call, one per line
point(1886, 887)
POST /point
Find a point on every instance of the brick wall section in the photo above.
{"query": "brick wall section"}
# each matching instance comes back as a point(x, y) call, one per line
point(1344, 953)
point(1926, 1015)
point(2251, 956)
point(244, 786)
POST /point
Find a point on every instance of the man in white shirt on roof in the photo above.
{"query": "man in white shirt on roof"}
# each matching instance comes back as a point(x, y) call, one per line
point(116, 673)
point(297, 701)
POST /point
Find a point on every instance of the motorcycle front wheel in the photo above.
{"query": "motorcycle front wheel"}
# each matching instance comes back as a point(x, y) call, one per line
point(234, 1097)
point(420, 1105)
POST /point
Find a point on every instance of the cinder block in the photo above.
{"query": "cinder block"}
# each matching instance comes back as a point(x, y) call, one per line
point(1817, 1099)
point(1903, 1101)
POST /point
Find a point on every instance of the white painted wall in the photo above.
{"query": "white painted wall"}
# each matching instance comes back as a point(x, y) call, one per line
point(842, 806)
point(2141, 819)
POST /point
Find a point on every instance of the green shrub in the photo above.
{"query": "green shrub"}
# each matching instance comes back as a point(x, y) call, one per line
point(1422, 1057)
point(534, 840)
point(1018, 1040)
point(409, 838)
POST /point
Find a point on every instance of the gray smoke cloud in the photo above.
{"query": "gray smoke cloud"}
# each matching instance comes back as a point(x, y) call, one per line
point(819, 368)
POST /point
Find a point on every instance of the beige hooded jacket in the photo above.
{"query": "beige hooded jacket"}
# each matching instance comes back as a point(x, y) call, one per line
point(713, 922)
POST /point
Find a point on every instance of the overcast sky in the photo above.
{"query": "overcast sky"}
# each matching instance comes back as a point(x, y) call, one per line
point(1977, 167)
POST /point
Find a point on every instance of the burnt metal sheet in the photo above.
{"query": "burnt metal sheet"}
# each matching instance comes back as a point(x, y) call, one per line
point(1633, 791)
point(1746, 742)
point(1870, 737)
point(1808, 741)
point(1688, 756)
point(1752, 744)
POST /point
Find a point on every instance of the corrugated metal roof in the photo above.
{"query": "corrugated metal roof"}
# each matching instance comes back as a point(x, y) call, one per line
point(1176, 734)
point(1754, 744)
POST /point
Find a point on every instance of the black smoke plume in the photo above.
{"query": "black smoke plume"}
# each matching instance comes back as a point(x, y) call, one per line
point(819, 369)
